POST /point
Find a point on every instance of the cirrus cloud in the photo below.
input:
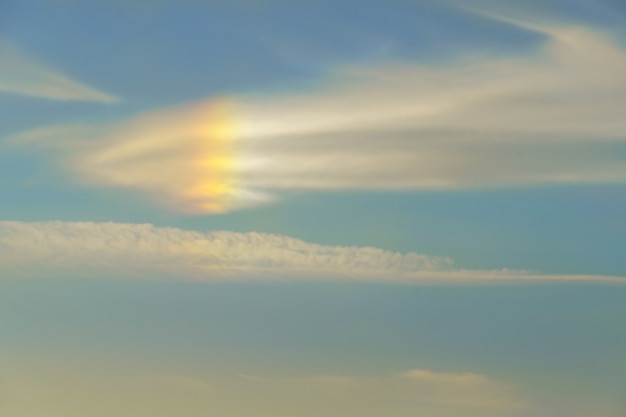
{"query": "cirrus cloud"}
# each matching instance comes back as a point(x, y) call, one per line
point(23, 74)
point(552, 116)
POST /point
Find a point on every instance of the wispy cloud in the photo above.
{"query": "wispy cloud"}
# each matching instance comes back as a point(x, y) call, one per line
point(148, 252)
point(545, 117)
point(478, 122)
point(421, 392)
point(22, 74)
point(461, 391)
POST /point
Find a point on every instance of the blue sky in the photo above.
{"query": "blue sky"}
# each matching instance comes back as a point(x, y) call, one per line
point(415, 203)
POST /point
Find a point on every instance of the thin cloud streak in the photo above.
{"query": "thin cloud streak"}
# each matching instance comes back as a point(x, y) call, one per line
point(463, 390)
point(22, 74)
point(143, 251)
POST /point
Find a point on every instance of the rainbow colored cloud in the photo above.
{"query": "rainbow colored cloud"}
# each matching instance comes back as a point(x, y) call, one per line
point(477, 123)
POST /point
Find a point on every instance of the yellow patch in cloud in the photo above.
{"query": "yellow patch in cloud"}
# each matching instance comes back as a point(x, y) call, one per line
point(211, 183)
point(184, 156)
point(483, 122)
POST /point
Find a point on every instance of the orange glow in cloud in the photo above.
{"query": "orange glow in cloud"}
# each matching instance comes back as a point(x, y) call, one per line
point(391, 127)
point(212, 180)
point(183, 156)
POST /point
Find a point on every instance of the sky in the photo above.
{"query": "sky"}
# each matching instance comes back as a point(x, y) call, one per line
point(314, 208)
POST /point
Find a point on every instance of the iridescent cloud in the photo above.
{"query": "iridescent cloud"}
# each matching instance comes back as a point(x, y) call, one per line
point(542, 118)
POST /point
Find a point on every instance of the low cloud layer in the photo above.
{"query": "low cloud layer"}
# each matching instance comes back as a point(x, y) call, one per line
point(553, 115)
point(22, 74)
point(99, 392)
point(458, 390)
point(143, 251)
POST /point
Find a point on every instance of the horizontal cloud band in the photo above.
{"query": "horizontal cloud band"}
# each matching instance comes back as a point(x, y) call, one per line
point(145, 251)
point(63, 390)
point(549, 117)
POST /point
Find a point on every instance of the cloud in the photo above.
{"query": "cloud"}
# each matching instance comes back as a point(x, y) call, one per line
point(551, 116)
point(100, 392)
point(183, 156)
point(144, 251)
point(482, 121)
point(419, 387)
point(21, 74)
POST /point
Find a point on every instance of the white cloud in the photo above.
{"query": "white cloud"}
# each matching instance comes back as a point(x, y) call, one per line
point(479, 122)
point(148, 252)
point(22, 74)
point(545, 117)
